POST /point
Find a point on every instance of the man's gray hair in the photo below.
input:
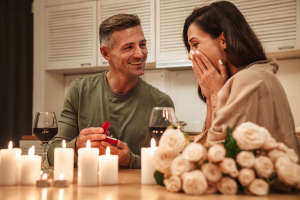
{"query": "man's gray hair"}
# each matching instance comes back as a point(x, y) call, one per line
point(113, 23)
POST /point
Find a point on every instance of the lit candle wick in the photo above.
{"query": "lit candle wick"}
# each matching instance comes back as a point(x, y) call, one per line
point(10, 145)
point(61, 177)
point(44, 176)
point(64, 144)
point(88, 144)
point(107, 151)
point(153, 143)
point(31, 151)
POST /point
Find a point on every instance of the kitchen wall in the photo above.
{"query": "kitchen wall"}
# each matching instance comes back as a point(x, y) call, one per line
point(181, 85)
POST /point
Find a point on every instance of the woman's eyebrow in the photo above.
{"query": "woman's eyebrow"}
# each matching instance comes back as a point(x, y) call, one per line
point(191, 39)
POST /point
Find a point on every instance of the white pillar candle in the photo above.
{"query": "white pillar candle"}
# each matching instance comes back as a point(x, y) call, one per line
point(0, 169)
point(30, 168)
point(147, 165)
point(10, 165)
point(88, 165)
point(64, 162)
point(108, 168)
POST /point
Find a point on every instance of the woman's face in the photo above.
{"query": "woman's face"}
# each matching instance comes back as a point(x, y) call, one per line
point(213, 49)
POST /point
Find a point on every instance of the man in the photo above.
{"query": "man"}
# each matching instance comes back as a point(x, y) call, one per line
point(118, 96)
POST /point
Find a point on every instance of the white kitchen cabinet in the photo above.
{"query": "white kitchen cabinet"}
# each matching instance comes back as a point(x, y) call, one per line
point(61, 2)
point(170, 18)
point(71, 32)
point(144, 9)
point(276, 23)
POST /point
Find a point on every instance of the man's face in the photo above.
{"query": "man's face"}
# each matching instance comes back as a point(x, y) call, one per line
point(129, 52)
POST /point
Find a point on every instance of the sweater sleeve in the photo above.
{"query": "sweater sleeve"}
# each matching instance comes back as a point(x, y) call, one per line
point(67, 124)
point(235, 99)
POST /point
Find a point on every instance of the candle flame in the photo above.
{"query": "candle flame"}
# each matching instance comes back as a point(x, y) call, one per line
point(64, 144)
point(61, 177)
point(44, 176)
point(107, 151)
point(153, 143)
point(31, 151)
point(10, 145)
point(41, 172)
point(88, 144)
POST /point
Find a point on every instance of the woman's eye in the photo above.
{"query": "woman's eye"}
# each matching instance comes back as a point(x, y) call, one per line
point(142, 45)
point(195, 45)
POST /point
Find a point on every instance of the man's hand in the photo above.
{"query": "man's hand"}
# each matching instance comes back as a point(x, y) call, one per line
point(121, 150)
point(94, 134)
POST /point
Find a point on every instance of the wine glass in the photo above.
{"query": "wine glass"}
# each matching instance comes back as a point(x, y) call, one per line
point(160, 119)
point(45, 128)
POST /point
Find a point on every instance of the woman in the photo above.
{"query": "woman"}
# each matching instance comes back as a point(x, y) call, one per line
point(236, 81)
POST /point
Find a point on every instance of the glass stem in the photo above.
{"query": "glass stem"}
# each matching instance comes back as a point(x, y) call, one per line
point(45, 164)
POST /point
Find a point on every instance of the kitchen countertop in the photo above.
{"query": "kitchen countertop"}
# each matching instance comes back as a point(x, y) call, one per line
point(129, 187)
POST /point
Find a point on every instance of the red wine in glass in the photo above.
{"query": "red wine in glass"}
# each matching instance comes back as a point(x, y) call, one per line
point(45, 128)
point(45, 134)
point(156, 132)
point(160, 119)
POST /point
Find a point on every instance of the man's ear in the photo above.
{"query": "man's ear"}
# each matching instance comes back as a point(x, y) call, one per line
point(104, 52)
point(222, 41)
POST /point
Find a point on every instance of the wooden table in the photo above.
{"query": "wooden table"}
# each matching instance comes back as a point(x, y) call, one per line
point(128, 188)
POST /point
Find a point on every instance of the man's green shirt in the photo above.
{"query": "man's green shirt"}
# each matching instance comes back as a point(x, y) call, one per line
point(90, 102)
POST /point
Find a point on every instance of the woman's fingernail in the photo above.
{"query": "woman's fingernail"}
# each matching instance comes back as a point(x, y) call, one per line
point(221, 62)
point(197, 52)
point(192, 52)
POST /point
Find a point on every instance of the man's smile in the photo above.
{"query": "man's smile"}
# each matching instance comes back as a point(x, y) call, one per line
point(136, 63)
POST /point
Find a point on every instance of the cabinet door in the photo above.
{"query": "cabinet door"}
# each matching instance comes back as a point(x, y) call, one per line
point(276, 23)
point(170, 18)
point(61, 2)
point(71, 36)
point(144, 9)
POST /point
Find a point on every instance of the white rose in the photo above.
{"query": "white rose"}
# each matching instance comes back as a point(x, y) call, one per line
point(245, 159)
point(216, 153)
point(212, 172)
point(173, 141)
point(263, 166)
point(249, 136)
point(227, 186)
point(180, 165)
point(163, 160)
point(228, 166)
point(258, 187)
point(173, 184)
point(265, 132)
point(246, 176)
point(212, 188)
point(282, 147)
point(287, 171)
point(270, 143)
point(275, 154)
point(292, 155)
point(194, 182)
point(194, 152)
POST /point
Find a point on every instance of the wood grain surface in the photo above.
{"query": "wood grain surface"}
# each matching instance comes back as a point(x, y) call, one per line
point(128, 188)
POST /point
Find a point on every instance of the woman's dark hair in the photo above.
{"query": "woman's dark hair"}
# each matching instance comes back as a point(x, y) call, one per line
point(242, 45)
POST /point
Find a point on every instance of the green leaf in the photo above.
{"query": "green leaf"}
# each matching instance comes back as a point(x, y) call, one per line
point(159, 177)
point(186, 135)
point(231, 147)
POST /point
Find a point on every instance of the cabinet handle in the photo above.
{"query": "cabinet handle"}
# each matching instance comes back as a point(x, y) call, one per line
point(286, 47)
point(85, 64)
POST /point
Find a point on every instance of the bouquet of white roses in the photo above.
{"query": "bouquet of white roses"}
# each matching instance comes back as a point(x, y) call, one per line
point(250, 158)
